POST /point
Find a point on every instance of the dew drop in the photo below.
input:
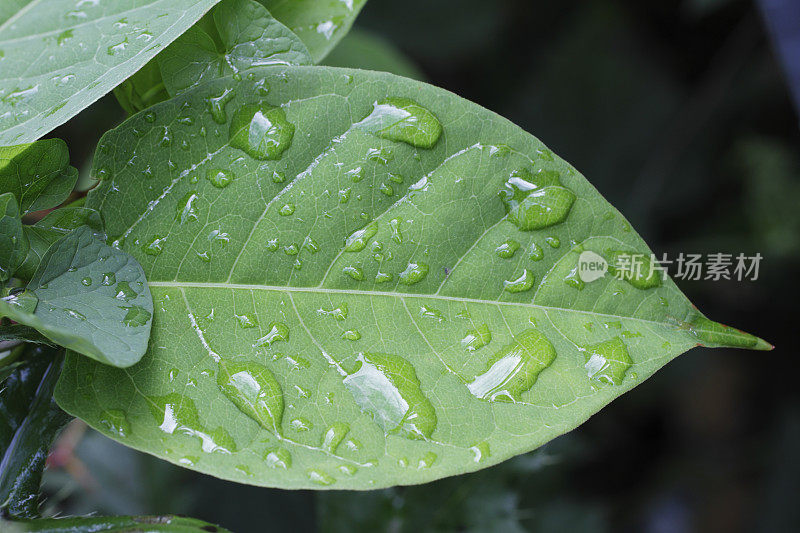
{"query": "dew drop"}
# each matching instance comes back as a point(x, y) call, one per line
point(574, 280)
point(319, 477)
point(387, 387)
point(177, 415)
point(262, 132)
point(637, 269)
point(116, 422)
point(480, 452)
point(339, 313)
point(86, 282)
point(507, 249)
point(124, 291)
point(278, 331)
point(278, 458)
point(354, 272)
point(333, 436)
point(358, 240)
point(246, 321)
point(431, 313)
point(254, 390)
point(383, 277)
point(536, 201)
point(520, 284)
point(475, 339)
point(414, 273)
point(535, 252)
point(155, 245)
point(135, 316)
point(514, 368)
point(219, 178)
point(286, 210)
point(403, 120)
point(216, 105)
point(427, 461)
point(607, 361)
point(351, 335)
point(300, 424)
point(186, 210)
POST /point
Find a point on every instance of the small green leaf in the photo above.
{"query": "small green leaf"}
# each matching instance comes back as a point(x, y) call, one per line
point(38, 174)
point(113, 524)
point(52, 227)
point(29, 425)
point(236, 35)
point(13, 244)
point(362, 281)
point(92, 298)
point(18, 332)
point(321, 24)
point(59, 57)
point(143, 89)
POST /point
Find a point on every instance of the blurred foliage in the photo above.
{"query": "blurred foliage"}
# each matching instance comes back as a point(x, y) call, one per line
point(678, 113)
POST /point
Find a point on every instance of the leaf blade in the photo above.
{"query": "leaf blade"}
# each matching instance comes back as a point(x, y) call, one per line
point(451, 364)
point(32, 105)
point(88, 297)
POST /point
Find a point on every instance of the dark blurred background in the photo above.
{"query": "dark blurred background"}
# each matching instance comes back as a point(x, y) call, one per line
point(680, 113)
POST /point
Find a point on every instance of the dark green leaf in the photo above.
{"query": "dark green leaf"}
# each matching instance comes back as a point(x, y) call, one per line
point(368, 51)
point(59, 57)
point(13, 244)
point(120, 524)
point(91, 298)
point(18, 332)
point(28, 426)
point(319, 23)
point(143, 89)
point(38, 174)
point(52, 227)
point(362, 280)
point(243, 35)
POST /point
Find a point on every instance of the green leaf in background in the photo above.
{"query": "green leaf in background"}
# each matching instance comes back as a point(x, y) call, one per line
point(362, 281)
point(28, 426)
point(55, 225)
point(120, 524)
point(319, 23)
point(13, 244)
point(143, 89)
point(37, 173)
point(88, 297)
point(369, 51)
point(18, 332)
point(59, 56)
point(235, 36)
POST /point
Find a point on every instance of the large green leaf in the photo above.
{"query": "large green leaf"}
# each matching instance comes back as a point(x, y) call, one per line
point(28, 426)
point(111, 524)
point(360, 281)
point(59, 56)
point(319, 23)
point(88, 297)
point(38, 174)
point(13, 244)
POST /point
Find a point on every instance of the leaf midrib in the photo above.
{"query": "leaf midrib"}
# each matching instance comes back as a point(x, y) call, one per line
point(401, 295)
